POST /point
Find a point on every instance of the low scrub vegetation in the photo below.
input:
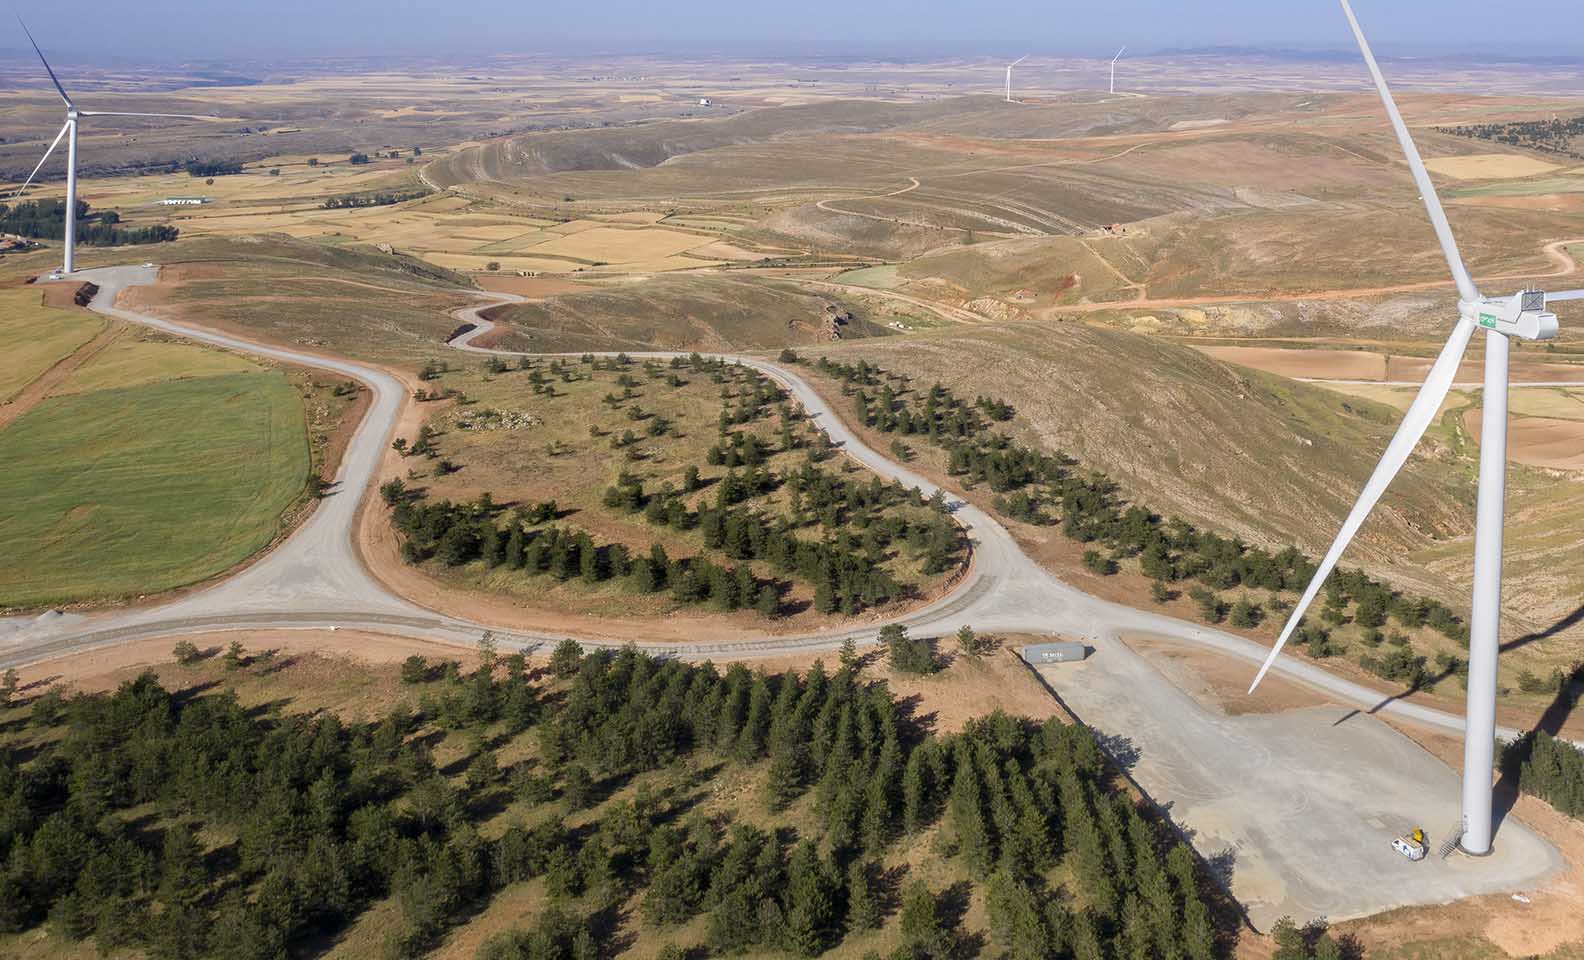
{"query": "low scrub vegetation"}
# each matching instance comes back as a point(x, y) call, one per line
point(770, 521)
point(1051, 489)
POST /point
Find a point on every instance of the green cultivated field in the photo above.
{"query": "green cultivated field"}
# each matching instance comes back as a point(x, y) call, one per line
point(138, 489)
point(36, 337)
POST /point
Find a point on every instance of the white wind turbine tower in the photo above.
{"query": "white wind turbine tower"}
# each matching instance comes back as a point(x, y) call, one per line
point(1523, 316)
point(1113, 67)
point(1009, 75)
point(69, 131)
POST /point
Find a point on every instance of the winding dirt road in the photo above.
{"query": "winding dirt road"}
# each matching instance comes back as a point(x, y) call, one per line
point(316, 579)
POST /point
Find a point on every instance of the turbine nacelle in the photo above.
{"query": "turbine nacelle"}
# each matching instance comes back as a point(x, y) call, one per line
point(1522, 315)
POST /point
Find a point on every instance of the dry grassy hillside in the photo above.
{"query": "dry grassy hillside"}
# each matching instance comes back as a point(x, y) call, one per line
point(354, 301)
point(1264, 458)
point(1268, 459)
point(697, 312)
point(1335, 247)
point(1098, 114)
point(651, 144)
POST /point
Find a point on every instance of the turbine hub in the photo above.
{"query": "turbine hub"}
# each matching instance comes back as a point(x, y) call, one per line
point(1522, 315)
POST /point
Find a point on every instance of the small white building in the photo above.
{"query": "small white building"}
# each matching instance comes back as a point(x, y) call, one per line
point(184, 201)
point(704, 101)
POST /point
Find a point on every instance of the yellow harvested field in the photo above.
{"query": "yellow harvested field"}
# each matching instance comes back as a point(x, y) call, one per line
point(665, 265)
point(617, 245)
point(1539, 441)
point(477, 262)
point(574, 226)
point(720, 250)
point(1558, 403)
point(532, 287)
point(1398, 397)
point(493, 233)
point(35, 337)
point(633, 216)
point(130, 362)
point(1489, 166)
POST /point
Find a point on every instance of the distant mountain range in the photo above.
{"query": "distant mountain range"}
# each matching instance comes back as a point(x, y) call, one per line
point(1352, 56)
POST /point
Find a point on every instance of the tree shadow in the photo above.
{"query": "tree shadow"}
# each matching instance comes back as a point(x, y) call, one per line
point(913, 726)
point(1429, 681)
point(1423, 683)
point(1505, 793)
point(1221, 866)
point(186, 695)
point(888, 888)
point(41, 684)
point(1572, 619)
point(1122, 750)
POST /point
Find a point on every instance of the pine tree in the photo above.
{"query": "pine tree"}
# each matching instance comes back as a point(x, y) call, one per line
point(921, 925)
point(756, 725)
point(824, 597)
point(768, 601)
point(914, 791)
point(863, 905)
point(810, 902)
point(787, 770)
point(1015, 921)
point(967, 641)
point(967, 807)
point(849, 654)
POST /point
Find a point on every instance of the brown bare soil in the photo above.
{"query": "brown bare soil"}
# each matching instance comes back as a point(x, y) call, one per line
point(1473, 371)
point(972, 687)
point(1317, 364)
point(106, 667)
point(1219, 683)
point(1538, 441)
point(527, 286)
point(62, 296)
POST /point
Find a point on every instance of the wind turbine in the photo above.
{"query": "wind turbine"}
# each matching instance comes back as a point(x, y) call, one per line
point(1009, 75)
point(1523, 316)
point(68, 130)
point(1113, 67)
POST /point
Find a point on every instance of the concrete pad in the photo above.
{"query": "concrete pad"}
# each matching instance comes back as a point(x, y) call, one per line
point(1299, 808)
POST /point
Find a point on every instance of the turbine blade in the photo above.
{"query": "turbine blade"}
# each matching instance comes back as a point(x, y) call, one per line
point(1119, 54)
point(118, 113)
point(1565, 295)
point(1465, 284)
point(53, 144)
point(60, 89)
point(1414, 423)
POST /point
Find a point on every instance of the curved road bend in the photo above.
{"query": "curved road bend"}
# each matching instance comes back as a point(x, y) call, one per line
point(316, 579)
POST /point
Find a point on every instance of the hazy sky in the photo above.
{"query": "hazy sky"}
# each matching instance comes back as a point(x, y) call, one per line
point(176, 30)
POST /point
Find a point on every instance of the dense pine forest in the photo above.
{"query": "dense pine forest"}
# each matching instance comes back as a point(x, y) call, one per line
point(46, 220)
point(187, 825)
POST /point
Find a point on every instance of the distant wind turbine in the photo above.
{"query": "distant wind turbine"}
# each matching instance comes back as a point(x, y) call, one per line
point(1521, 316)
point(1113, 67)
point(1009, 75)
point(69, 131)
